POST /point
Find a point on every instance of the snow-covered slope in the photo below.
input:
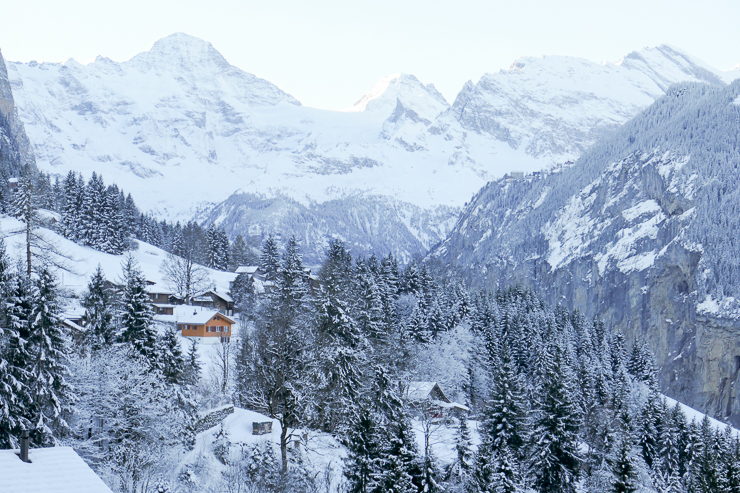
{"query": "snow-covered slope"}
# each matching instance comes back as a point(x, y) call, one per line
point(556, 106)
point(183, 130)
point(640, 231)
point(83, 260)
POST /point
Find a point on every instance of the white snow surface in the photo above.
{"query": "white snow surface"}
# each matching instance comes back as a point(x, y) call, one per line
point(620, 228)
point(182, 129)
point(85, 259)
point(51, 470)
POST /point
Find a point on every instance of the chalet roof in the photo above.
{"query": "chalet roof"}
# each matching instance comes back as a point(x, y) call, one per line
point(419, 391)
point(51, 470)
point(223, 296)
point(72, 325)
point(185, 314)
point(247, 269)
point(155, 288)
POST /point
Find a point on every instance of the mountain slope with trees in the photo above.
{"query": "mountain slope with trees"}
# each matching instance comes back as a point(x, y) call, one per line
point(640, 231)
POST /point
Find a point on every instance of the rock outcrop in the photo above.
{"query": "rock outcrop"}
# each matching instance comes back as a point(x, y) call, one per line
point(15, 148)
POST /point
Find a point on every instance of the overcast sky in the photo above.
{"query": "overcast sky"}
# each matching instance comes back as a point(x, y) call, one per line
point(327, 53)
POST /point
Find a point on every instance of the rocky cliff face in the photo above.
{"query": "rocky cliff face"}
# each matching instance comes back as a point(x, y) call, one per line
point(638, 242)
point(15, 149)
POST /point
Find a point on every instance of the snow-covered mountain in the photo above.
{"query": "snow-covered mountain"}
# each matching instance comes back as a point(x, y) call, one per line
point(641, 231)
point(184, 131)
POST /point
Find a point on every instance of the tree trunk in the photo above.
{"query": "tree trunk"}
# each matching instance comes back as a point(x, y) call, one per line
point(28, 240)
point(284, 446)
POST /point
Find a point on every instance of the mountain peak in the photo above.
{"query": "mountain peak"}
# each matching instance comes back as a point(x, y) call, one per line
point(388, 91)
point(180, 49)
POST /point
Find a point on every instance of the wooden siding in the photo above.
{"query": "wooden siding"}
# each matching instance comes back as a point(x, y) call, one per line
point(200, 330)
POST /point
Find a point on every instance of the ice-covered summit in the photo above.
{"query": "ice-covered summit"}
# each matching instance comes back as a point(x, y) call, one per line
point(180, 51)
point(405, 89)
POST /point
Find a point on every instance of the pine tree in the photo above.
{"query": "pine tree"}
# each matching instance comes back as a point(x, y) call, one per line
point(136, 311)
point(625, 476)
point(52, 395)
point(459, 471)
point(240, 254)
point(364, 463)
point(401, 473)
point(270, 259)
point(98, 318)
point(170, 359)
point(70, 207)
point(14, 394)
point(193, 367)
point(553, 446)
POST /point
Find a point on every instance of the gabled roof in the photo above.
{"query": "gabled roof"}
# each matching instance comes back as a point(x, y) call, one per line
point(247, 269)
point(185, 314)
point(51, 470)
point(419, 391)
point(223, 296)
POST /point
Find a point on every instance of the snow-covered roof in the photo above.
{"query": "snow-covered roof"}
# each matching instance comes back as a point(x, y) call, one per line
point(12, 180)
point(451, 405)
point(196, 315)
point(418, 391)
point(51, 470)
point(157, 288)
point(223, 296)
point(247, 269)
point(73, 325)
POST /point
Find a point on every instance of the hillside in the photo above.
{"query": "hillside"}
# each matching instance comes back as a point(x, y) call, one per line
point(84, 260)
point(640, 232)
point(196, 136)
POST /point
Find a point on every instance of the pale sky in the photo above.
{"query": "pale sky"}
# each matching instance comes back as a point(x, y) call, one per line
point(328, 53)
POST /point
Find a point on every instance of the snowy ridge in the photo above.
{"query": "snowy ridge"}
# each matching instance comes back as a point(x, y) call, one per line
point(185, 130)
point(407, 90)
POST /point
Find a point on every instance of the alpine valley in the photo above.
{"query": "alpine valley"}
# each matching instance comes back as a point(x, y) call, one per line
point(192, 136)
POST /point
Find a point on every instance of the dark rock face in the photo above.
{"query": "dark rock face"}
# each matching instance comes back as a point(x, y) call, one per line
point(618, 249)
point(15, 149)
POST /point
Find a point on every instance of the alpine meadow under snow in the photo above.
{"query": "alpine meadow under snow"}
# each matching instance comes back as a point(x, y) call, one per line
point(533, 289)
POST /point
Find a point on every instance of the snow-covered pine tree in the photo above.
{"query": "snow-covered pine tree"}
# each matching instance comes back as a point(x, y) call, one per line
point(459, 470)
point(70, 207)
point(704, 473)
point(240, 254)
point(625, 474)
point(402, 471)
point(13, 379)
point(648, 437)
point(270, 259)
point(368, 305)
point(51, 393)
point(364, 464)
point(192, 366)
point(553, 444)
point(92, 214)
point(98, 318)
point(170, 359)
point(273, 360)
point(242, 291)
point(342, 359)
point(136, 312)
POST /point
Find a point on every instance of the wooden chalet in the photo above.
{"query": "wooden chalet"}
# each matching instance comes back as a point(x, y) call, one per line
point(160, 298)
point(213, 299)
point(211, 325)
point(427, 398)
